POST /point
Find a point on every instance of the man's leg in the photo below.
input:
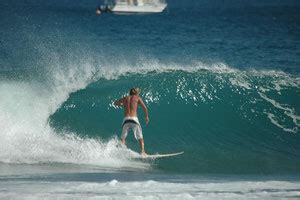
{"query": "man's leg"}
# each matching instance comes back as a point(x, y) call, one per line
point(124, 134)
point(123, 141)
point(139, 136)
point(142, 146)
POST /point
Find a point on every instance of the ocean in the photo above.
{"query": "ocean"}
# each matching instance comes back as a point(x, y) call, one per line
point(221, 80)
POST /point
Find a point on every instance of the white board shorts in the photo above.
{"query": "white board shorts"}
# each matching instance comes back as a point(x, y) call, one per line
point(131, 123)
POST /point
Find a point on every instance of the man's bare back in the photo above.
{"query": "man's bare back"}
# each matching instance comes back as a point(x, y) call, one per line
point(130, 105)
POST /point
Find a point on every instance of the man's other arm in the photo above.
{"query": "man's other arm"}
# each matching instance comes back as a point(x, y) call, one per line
point(119, 102)
point(145, 109)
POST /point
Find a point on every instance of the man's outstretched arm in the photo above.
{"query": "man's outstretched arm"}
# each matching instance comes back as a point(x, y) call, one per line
point(119, 102)
point(145, 109)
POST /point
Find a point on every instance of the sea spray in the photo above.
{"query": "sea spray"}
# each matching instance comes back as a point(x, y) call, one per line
point(27, 136)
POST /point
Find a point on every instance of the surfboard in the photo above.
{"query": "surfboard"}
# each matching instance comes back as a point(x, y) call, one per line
point(155, 156)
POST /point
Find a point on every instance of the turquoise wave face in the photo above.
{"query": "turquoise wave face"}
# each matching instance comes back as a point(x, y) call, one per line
point(226, 120)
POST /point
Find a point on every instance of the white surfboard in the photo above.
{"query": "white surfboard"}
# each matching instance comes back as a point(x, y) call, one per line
point(155, 156)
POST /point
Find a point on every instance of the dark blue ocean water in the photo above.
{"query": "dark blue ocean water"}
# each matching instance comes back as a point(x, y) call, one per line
point(220, 78)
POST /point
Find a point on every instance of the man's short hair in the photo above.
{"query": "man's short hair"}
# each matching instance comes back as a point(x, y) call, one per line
point(134, 91)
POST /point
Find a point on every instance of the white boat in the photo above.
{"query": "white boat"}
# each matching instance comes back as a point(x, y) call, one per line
point(134, 6)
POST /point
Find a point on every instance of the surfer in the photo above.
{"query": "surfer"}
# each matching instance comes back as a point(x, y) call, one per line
point(131, 122)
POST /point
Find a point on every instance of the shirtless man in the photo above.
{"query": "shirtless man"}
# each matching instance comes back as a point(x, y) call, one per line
point(131, 121)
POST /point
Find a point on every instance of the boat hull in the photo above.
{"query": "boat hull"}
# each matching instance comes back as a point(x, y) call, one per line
point(132, 9)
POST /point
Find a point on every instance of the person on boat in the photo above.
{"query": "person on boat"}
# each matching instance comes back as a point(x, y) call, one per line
point(131, 122)
point(98, 10)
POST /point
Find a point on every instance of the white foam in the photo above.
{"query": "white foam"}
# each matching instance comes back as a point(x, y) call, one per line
point(27, 137)
point(287, 111)
point(273, 119)
point(151, 190)
point(240, 83)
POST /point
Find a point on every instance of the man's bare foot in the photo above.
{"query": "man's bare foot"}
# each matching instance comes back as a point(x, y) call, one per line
point(143, 154)
point(123, 143)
